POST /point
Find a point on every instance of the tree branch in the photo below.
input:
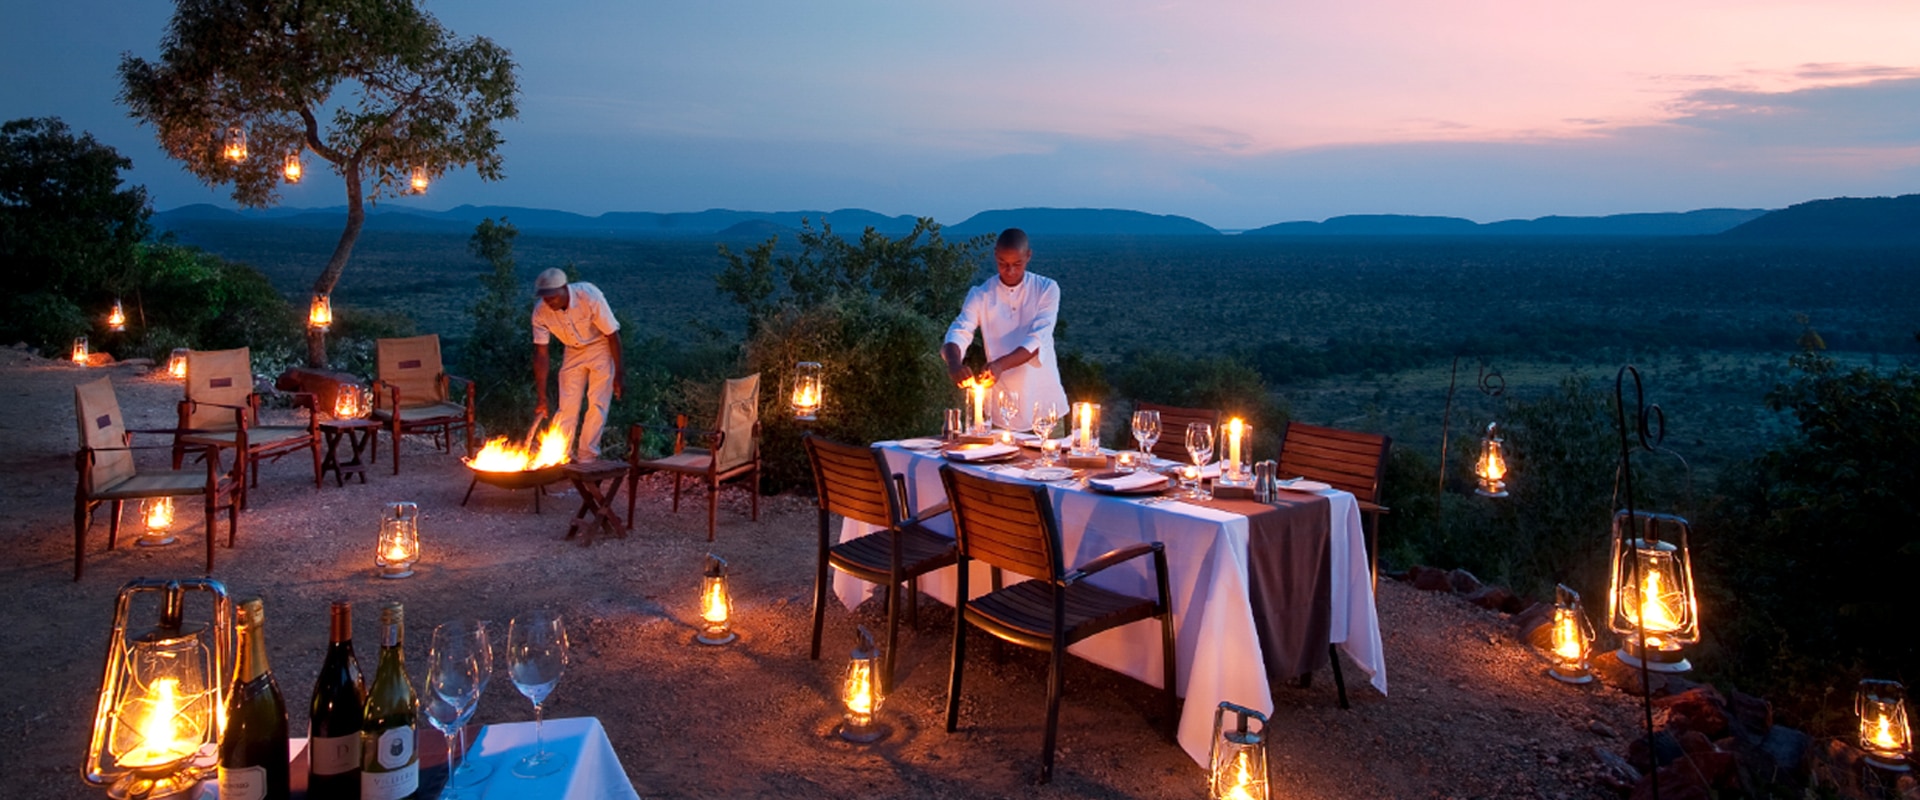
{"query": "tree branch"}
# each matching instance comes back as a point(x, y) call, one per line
point(313, 139)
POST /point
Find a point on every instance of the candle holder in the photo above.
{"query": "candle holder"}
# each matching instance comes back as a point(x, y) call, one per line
point(1084, 439)
point(979, 418)
point(399, 544)
point(860, 692)
point(159, 716)
point(1239, 755)
point(417, 180)
point(716, 605)
point(1235, 445)
point(235, 148)
point(808, 391)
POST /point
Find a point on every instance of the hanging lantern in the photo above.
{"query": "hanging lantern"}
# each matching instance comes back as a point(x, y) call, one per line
point(293, 169)
point(117, 318)
point(352, 401)
point(1235, 444)
point(1239, 759)
point(80, 350)
point(399, 544)
point(1884, 732)
point(1492, 467)
point(177, 364)
point(418, 180)
point(236, 145)
point(1572, 637)
point(320, 313)
point(808, 391)
point(861, 692)
point(716, 605)
point(159, 720)
point(1086, 430)
point(156, 522)
point(1652, 591)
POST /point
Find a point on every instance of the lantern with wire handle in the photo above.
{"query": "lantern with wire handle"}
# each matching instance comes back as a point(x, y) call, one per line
point(399, 544)
point(177, 364)
point(159, 720)
point(117, 318)
point(1239, 757)
point(1572, 637)
point(1491, 469)
point(156, 522)
point(235, 147)
point(808, 391)
point(716, 605)
point(320, 313)
point(79, 353)
point(417, 180)
point(1652, 594)
point(1884, 731)
point(860, 692)
point(352, 401)
point(293, 170)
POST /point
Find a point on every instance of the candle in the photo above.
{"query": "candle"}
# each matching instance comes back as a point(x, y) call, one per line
point(1083, 423)
point(1234, 433)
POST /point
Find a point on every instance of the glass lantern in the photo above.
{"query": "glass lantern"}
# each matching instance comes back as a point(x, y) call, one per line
point(399, 544)
point(156, 522)
point(808, 390)
point(80, 352)
point(1236, 440)
point(1239, 755)
point(417, 180)
point(235, 147)
point(292, 168)
point(1084, 436)
point(979, 421)
point(716, 605)
point(1572, 638)
point(861, 692)
point(158, 720)
point(1884, 731)
point(320, 313)
point(117, 318)
point(352, 401)
point(1492, 467)
point(1652, 591)
point(177, 364)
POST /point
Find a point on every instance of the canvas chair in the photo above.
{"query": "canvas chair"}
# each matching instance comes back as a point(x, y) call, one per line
point(219, 383)
point(414, 395)
point(853, 482)
point(108, 474)
point(1011, 526)
point(1172, 444)
point(729, 451)
point(1346, 460)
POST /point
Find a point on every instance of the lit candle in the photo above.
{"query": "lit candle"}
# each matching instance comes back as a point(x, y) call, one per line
point(977, 392)
point(1083, 421)
point(1234, 432)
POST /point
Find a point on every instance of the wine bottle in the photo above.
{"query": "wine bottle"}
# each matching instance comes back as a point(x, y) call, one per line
point(389, 765)
point(339, 698)
point(253, 750)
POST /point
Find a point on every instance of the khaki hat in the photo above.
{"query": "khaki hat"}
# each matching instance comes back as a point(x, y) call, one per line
point(551, 282)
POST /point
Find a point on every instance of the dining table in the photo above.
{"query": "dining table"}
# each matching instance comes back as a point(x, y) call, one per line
point(1258, 590)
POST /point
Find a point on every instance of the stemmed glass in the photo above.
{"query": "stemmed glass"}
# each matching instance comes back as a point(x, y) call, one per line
point(457, 669)
point(536, 655)
point(1009, 401)
point(1200, 447)
point(1045, 416)
point(471, 773)
point(1146, 431)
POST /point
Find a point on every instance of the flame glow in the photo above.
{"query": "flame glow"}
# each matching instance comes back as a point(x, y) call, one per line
point(1883, 737)
point(1661, 614)
point(1242, 788)
point(859, 690)
point(1492, 466)
point(159, 516)
point(320, 313)
point(293, 168)
point(177, 366)
point(418, 180)
point(806, 398)
point(158, 727)
point(117, 318)
point(713, 603)
point(1568, 644)
point(500, 455)
point(977, 387)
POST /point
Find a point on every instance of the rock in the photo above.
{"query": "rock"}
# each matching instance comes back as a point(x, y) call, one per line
point(138, 362)
point(1599, 728)
point(1751, 712)
point(1491, 598)
point(1787, 749)
point(99, 359)
point(1530, 618)
point(1714, 765)
point(1429, 579)
point(1680, 781)
point(1627, 679)
point(1665, 745)
point(1463, 582)
point(1696, 710)
point(1614, 770)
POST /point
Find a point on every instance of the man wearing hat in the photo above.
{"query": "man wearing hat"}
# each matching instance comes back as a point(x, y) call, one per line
point(578, 315)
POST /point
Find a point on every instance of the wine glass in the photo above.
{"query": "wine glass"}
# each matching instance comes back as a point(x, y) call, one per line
point(456, 677)
point(469, 772)
point(1009, 401)
point(1200, 447)
point(1045, 416)
point(536, 655)
point(1146, 431)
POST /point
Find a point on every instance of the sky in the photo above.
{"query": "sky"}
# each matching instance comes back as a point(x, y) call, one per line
point(1238, 114)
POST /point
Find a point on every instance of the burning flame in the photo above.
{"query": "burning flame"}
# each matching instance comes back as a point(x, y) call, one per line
point(714, 604)
point(806, 397)
point(160, 742)
point(236, 145)
point(117, 319)
point(1492, 466)
point(1568, 644)
point(1883, 736)
point(419, 180)
point(1243, 783)
point(320, 313)
point(80, 351)
point(293, 169)
point(160, 514)
point(177, 367)
point(859, 690)
point(1656, 604)
point(499, 455)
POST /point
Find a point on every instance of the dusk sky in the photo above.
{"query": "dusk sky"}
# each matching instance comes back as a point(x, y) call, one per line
point(1236, 114)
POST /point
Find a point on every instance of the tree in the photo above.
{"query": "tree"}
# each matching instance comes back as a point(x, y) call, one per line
point(495, 355)
point(921, 271)
point(376, 88)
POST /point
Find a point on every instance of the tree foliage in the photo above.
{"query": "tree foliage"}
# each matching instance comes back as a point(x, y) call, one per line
point(67, 225)
point(495, 354)
point(920, 271)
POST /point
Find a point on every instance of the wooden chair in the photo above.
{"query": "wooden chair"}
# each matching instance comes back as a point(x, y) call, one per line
point(853, 482)
point(1346, 460)
point(1172, 444)
point(1012, 526)
point(107, 473)
point(730, 450)
point(219, 384)
point(419, 395)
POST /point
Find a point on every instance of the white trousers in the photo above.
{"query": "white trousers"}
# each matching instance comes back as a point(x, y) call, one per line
point(586, 373)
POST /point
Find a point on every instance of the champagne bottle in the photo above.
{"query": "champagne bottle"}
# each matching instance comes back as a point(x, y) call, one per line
point(339, 698)
point(389, 765)
point(253, 750)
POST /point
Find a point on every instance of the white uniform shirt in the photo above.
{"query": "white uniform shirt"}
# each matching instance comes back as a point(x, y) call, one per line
point(587, 320)
point(1010, 318)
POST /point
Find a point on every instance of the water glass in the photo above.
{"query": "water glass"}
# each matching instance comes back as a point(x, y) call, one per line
point(458, 665)
point(1045, 416)
point(1009, 407)
point(536, 656)
point(1146, 430)
point(1200, 448)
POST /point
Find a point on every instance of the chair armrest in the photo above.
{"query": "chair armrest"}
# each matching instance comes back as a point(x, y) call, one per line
point(186, 406)
point(391, 389)
point(1373, 508)
point(1112, 557)
point(929, 513)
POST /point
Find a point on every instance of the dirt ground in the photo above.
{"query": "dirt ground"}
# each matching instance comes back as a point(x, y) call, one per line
point(1471, 715)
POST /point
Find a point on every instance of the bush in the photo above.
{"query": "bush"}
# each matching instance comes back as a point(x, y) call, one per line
point(1218, 382)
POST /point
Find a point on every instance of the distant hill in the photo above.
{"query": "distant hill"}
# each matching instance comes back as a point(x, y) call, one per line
point(1703, 222)
point(1082, 222)
point(461, 219)
point(1862, 219)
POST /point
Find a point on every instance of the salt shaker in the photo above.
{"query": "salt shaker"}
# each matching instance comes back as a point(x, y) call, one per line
point(1264, 482)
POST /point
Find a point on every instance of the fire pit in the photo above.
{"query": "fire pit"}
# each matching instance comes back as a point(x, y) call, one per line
point(509, 466)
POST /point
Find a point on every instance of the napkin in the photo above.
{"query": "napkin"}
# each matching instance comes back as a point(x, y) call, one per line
point(982, 452)
point(1127, 483)
point(1030, 440)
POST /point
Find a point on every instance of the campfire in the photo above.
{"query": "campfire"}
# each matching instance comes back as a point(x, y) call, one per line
point(508, 465)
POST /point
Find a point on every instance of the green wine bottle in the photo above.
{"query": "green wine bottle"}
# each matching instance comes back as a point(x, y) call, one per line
point(389, 765)
point(253, 750)
point(339, 698)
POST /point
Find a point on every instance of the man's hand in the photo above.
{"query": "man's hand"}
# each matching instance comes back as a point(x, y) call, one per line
point(540, 407)
point(959, 373)
point(619, 384)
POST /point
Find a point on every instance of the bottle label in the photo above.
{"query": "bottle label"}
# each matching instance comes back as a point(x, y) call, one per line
point(335, 755)
point(243, 783)
point(388, 785)
point(396, 747)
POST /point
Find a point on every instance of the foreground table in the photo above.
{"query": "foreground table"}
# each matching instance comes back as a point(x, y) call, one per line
point(598, 483)
point(359, 434)
point(1217, 642)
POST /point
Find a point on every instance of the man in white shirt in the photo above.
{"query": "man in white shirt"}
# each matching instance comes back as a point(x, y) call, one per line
point(1015, 312)
point(578, 315)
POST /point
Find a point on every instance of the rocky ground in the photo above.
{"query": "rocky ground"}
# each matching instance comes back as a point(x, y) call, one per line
point(1472, 713)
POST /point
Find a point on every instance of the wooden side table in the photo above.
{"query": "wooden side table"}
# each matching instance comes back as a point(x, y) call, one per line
point(359, 434)
point(598, 483)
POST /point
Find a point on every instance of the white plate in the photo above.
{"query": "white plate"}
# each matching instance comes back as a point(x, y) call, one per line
point(920, 444)
point(1304, 485)
point(1049, 474)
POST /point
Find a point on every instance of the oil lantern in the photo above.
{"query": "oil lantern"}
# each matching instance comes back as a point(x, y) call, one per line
point(1884, 732)
point(1239, 757)
point(235, 148)
point(1492, 467)
point(399, 545)
point(177, 363)
point(352, 401)
point(861, 693)
point(716, 605)
point(117, 318)
point(320, 313)
point(1652, 594)
point(293, 169)
point(158, 719)
point(79, 355)
point(808, 390)
point(417, 180)
point(156, 522)
point(1572, 637)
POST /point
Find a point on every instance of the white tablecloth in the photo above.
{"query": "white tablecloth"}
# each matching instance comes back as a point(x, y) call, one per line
point(1218, 653)
point(592, 771)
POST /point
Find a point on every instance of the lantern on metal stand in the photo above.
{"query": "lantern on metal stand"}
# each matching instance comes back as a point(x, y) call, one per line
point(1884, 731)
point(1572, 637)
point(399, 544)
point(1491, 469)
point(809, 391)
point(235, 147)
point(156, 522)
point(292, 169)
point(1652, 597)
point(80, 353)
point(716, 605)
point(117, 318)
point(1239, 756)
point(177, 364)
point(158, 719)
point(861, 692)
point(320, 313)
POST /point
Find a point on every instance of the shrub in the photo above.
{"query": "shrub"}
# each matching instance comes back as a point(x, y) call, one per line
point(1218, 382)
